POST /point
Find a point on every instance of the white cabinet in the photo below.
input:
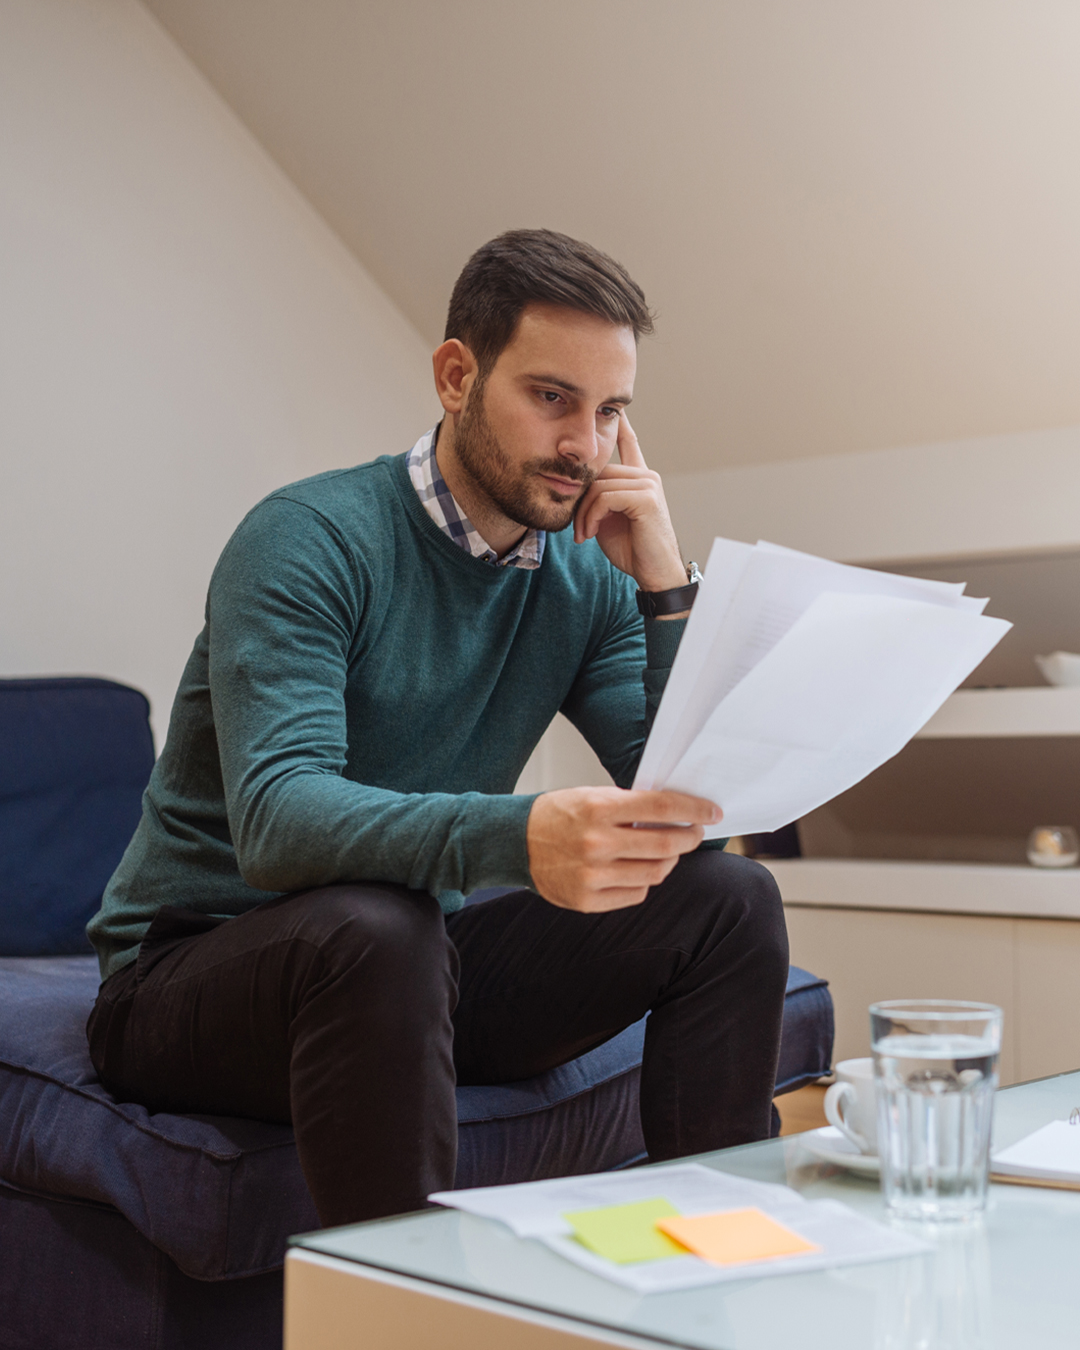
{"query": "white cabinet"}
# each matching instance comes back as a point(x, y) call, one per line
point(997, 714)
point(1000, 757)
point(873, 954)
point(1028, 967)
point(916, 882)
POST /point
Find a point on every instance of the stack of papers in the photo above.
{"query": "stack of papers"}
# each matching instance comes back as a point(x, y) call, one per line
point(1050, 1154)
point(659, 1229)
point(796, 677)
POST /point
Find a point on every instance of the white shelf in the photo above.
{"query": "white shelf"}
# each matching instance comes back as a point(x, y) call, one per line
point(1041, 711)
point(951, 888)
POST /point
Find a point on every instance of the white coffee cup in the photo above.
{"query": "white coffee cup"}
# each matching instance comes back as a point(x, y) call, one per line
point(850, 1103)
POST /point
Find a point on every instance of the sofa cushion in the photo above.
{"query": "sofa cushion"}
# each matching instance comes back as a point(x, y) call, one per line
point(806, 1044)
point(220, 1195)
point(77, 754)
point(77, 1276)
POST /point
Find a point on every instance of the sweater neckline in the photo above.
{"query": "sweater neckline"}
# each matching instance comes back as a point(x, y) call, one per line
point(489, 573)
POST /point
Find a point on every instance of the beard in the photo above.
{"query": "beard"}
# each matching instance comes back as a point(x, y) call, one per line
point(515, 489)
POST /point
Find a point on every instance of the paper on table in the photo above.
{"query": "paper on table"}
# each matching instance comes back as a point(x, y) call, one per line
point(1050, 1154)
point(852, 681)
point(536, 1209)
point(843, 1237)
point(626, 1233)
point(735, 1237)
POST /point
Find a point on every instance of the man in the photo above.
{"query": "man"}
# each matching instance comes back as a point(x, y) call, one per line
point(384, 646)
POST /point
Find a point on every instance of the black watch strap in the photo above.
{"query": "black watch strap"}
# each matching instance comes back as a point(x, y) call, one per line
point(654, 603)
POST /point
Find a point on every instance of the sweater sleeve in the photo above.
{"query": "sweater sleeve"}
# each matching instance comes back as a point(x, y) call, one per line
point(286, 607)
point(607, 703)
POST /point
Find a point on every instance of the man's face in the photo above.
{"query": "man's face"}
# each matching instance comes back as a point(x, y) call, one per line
point(539, 429)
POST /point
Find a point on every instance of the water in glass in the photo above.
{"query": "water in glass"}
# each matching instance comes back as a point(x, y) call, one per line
point(936, 1075)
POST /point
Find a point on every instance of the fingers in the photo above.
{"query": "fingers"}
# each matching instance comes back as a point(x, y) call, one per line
point(603, 902)
point(639, 472)
point(626, 888)
point(653, 841)
point(626, 496)
point(627, 444)
point(623, 883)
point(663, 807)
point(634, 872)
point(584, 852)
point(594, 508)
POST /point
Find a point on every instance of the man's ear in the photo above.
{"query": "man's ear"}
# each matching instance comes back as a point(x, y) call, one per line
point(455, 372)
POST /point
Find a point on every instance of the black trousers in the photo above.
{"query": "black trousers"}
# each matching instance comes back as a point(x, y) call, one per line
point(350, 1011)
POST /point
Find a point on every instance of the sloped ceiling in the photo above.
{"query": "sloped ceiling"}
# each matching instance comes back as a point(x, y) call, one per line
point(859, 220)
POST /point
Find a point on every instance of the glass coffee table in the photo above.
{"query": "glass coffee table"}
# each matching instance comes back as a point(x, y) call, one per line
point(444, 1280)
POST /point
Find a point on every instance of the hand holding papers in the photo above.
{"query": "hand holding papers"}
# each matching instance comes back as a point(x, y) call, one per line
point(797, 677)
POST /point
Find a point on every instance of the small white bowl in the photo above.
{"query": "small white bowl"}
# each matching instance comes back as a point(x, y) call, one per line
point(1060, 668)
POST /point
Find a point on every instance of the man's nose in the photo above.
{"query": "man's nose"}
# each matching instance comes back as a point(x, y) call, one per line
point(579, 441)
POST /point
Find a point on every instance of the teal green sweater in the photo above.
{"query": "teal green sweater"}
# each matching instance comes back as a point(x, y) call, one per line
point(362, 700)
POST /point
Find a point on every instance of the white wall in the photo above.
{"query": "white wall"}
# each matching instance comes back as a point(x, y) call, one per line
point(179, 334)
point(562, 759)
point(985, 495)
point(858, 219)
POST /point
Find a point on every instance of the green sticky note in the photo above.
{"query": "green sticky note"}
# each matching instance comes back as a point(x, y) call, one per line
point(626, 1233)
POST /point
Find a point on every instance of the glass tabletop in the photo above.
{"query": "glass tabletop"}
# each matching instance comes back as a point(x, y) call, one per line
point(1008, 1281)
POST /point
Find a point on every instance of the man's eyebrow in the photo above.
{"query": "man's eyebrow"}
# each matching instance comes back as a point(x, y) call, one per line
point(576, 390)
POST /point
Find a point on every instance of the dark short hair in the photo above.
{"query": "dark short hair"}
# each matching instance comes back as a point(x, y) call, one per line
point(523, 267)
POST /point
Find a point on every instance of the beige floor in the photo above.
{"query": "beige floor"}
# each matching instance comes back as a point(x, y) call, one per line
point(801, 1110)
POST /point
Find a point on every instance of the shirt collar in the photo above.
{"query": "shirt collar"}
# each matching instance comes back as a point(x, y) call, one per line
point(438, 501)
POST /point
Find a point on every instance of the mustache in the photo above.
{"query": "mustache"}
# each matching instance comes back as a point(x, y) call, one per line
point(579, 473)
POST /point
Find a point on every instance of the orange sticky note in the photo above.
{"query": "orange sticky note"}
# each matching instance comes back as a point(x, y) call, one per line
point(735, 1236)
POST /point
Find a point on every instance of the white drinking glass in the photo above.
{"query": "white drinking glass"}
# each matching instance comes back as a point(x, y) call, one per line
point(935, 1066)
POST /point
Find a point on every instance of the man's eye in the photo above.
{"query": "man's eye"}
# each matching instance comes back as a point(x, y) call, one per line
point(550, 396)
point(609, 412)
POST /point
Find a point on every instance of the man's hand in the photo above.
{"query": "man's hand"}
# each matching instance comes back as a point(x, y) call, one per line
point(625, 512)
point(585, 854)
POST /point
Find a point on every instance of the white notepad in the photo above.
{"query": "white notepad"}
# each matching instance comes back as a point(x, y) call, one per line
point(1050, 1154)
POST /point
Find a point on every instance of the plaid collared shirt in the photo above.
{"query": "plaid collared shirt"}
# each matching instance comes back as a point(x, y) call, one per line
point(451, 519)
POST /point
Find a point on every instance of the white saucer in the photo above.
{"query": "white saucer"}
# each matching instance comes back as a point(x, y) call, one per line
point(831, 1146)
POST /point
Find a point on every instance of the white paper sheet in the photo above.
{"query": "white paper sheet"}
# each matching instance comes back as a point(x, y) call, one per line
point(797, 677)
point(1050, 1154)
point(671, 729)
point(535, 1210)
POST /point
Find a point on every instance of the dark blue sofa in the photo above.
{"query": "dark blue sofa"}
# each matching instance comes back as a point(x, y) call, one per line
point(122, 1229)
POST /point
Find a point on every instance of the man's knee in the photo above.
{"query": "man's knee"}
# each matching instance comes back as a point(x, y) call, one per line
point(737, 892)
point(375, 927)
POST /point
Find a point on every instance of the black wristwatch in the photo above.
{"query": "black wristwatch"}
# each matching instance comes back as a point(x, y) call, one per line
point(655, 603)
